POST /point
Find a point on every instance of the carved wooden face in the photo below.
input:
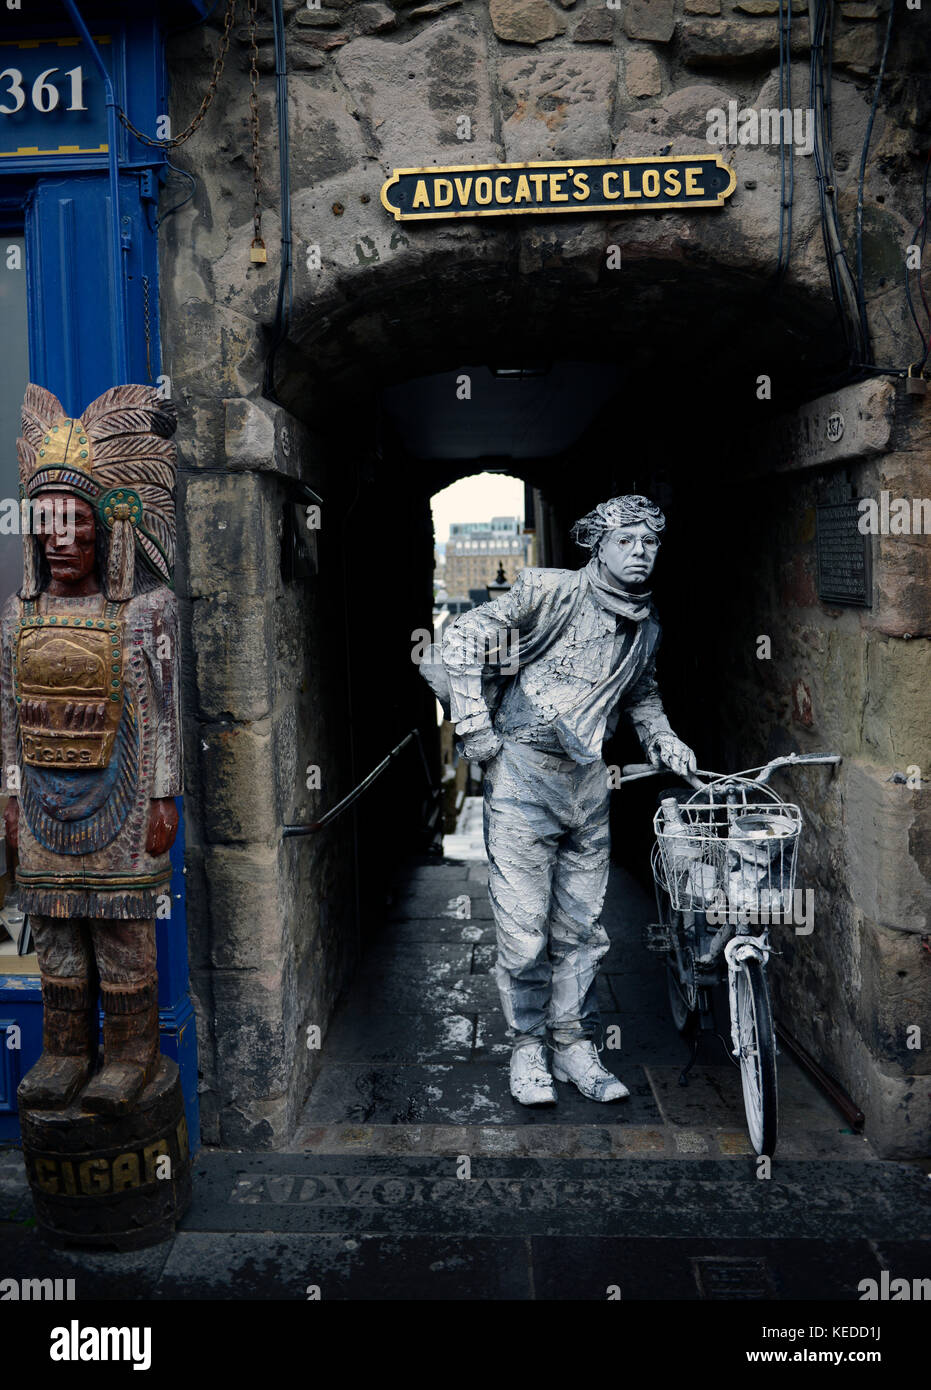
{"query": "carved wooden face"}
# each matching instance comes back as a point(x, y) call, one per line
point(68, 536)
point(629, 553)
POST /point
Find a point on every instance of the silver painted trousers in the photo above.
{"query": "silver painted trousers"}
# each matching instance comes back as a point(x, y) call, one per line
point(546, 833)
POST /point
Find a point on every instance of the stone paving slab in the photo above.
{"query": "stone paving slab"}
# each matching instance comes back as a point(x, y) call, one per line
point(440, 875)
point(438, 929)
point(296, 1265)
point(607, 996)
point(358, 1036)
point(530, 1141)
point(404, 993)
point(714, 1097)
point(538, 1140)
point(333, 1267)
point(484, 959)
point(644, 1038)
point(569, 1267)
point(492, 1043)
point(639, 993)
point(96, 1274)
point(470, 994)
point(444, 902)
point(510, 1196)
point(457, 1095)
point(629, 957)
point(427, 962)
point(614, 989)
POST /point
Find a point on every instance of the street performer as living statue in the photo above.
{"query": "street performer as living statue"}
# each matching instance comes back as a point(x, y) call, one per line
point(580, 646)
point(91, 737)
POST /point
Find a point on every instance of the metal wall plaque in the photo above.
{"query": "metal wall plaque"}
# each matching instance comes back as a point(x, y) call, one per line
point(565, 185)
point(844, 556)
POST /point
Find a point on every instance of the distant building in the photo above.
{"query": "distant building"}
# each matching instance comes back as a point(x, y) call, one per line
point(475, 549)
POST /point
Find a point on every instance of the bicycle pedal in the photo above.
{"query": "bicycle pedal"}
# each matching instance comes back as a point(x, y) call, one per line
point(655, 937)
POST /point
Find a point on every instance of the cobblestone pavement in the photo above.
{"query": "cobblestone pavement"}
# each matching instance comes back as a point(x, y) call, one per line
point(414, 1175)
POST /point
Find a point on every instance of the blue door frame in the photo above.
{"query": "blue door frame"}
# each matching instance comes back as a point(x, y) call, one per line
point(56, 190)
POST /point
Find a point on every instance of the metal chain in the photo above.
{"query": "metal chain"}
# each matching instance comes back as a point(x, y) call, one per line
point(254, 118)
point(145, 320)
point(211, 89)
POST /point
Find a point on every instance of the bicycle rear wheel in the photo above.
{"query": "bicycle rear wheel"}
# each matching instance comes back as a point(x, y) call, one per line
point(683, 1000)
point(757, 1056)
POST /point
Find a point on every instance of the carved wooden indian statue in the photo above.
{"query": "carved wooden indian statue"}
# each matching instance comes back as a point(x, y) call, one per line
point(91, 735)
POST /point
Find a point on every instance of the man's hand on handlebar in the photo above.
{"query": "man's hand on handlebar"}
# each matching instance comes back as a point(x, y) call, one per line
point(666, 750)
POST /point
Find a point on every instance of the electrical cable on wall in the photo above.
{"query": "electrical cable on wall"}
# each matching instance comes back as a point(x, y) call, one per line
point(282, 318)
point(922, 232)
point(843, 288)
point(785, 104)
point(176, 207)
point(848, 290)
point(861, 291)
point(121, 342)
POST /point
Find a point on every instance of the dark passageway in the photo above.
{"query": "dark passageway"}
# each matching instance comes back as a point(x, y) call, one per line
point(671, 380)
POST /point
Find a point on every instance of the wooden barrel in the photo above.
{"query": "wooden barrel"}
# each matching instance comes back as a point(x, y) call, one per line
point(114, 1181)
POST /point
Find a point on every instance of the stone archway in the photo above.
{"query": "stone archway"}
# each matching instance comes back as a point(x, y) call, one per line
point(692, 316)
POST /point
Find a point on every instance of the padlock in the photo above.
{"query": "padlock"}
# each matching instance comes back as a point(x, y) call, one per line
point(915, 383)
point(257, 254)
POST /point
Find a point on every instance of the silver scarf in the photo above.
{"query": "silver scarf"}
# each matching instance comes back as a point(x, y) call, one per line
point(624, 603)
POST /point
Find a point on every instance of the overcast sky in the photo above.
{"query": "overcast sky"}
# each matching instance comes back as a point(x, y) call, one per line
point(478, 498)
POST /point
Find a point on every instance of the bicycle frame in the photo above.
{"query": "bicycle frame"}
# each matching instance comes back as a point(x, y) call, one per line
point(733, 827)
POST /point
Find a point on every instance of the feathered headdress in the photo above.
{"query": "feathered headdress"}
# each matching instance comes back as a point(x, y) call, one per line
point(119, 456)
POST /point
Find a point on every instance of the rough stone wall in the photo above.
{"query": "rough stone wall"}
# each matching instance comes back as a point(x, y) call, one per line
point(854, 681)
point(271, 925)
point(375, 86)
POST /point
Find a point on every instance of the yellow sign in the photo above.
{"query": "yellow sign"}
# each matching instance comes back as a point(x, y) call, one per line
point(553, 186)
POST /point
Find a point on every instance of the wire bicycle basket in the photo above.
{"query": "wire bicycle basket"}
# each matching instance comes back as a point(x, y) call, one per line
point(733, 845)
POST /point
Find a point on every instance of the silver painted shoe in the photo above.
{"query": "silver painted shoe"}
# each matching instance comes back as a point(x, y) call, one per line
point(531, 1083)
point(579, 1064)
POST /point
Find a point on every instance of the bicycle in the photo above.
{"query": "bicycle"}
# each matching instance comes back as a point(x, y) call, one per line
point(724, 866)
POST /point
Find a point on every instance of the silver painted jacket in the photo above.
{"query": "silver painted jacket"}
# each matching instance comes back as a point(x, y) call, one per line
point(552, 667)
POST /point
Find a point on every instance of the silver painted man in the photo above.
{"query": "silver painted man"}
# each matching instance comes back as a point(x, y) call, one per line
point(537, 680)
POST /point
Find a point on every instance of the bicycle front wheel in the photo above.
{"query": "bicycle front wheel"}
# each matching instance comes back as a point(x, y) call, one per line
point(757, 1056)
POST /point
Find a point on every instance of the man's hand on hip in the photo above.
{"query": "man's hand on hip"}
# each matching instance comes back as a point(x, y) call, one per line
point(666, 750)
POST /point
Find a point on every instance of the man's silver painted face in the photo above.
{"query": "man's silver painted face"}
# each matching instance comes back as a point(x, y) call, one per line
point(627, 555)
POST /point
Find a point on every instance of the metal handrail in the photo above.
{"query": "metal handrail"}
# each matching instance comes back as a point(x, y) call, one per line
point(347, 801)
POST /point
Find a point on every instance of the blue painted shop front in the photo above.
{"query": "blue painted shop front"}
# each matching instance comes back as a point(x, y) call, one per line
point(79, 306)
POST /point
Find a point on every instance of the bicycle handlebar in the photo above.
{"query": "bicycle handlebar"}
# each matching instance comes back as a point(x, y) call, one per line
point(793, 760)
point(632, 772)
